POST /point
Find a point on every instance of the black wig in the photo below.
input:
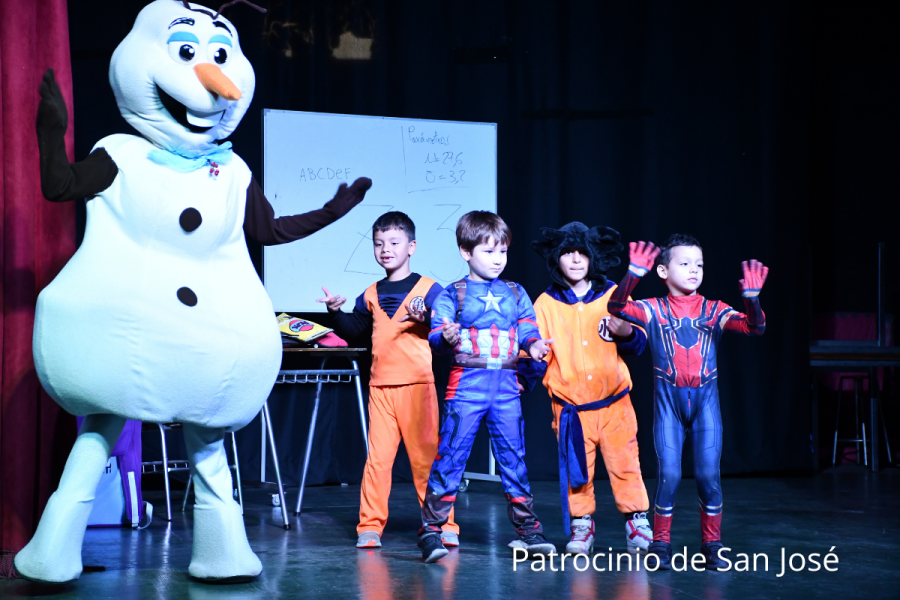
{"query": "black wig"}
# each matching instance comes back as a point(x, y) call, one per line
point(600, 244)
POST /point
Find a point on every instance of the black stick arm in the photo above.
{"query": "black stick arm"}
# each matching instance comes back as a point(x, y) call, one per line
point(261, 224)
point(61, 180)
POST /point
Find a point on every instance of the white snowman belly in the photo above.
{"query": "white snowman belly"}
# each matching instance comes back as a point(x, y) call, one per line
point(153, 322)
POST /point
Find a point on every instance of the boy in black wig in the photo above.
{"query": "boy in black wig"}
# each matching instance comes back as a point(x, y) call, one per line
point(589, 383)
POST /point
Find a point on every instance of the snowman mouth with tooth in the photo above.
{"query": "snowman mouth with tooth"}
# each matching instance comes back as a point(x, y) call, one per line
point(160, 315)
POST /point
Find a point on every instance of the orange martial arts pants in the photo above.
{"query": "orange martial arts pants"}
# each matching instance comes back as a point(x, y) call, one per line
point(407, 412)
point(614, 430)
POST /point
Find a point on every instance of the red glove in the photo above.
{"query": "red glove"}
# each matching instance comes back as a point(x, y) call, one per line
point(642, 256)
point(755, 274)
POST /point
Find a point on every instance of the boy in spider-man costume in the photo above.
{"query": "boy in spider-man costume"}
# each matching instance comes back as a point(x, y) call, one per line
point(485, 320)
point(683, 331)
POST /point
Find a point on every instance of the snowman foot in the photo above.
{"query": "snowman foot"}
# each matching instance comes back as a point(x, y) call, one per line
point(53, 556)
point(221, 552)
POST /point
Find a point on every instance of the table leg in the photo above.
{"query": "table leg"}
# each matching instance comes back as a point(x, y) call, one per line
point(268, 420)
point(362, 407)
point(873, 436)
point(309, 442)
point(814, 423)
point(262, 449)
point(165, 460)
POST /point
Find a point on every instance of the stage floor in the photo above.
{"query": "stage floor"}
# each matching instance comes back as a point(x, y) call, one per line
point(848, 509)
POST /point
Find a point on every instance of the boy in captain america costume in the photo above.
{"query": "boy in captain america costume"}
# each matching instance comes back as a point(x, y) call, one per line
point(485, 320)
point(683, 332)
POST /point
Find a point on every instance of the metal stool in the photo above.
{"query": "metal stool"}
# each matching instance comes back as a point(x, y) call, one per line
point(860, 438)
point(166, 466)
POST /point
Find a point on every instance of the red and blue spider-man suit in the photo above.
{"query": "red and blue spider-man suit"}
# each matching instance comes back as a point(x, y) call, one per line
point(683, 334)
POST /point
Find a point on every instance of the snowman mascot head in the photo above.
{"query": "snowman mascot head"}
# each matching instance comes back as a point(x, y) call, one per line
point(181, 79)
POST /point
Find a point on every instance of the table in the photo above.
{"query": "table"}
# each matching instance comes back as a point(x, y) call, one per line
point(318, 376)
point(854, 356)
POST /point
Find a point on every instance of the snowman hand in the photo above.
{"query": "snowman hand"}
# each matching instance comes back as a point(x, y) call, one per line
point(61, 180)
point(348, 197)
point(52, 114)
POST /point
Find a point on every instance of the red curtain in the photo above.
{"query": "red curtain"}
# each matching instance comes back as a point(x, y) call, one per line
point(36, 239)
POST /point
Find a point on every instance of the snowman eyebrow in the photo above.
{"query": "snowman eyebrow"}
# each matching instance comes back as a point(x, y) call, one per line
point(222, 25)
point(182, 21)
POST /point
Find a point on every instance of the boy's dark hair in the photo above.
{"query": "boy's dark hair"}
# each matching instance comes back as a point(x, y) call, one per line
point(599, 244)
point(395, 220)
point(676, 239)
point(478, 226)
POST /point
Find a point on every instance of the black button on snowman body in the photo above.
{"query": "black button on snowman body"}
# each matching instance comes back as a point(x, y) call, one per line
point(189, 220)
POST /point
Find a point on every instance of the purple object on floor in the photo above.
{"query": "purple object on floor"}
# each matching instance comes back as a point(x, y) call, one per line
point(127, 453)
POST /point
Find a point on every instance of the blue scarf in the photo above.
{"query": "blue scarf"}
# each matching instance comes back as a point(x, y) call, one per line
point(221, 155)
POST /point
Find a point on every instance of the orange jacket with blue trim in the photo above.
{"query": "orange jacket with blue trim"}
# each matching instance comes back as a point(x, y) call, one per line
point(584, 364)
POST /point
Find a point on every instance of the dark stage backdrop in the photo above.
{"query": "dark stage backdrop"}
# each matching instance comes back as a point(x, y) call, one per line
point(650, 117)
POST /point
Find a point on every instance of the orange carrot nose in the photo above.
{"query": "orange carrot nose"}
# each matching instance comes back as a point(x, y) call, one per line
point(214, 80)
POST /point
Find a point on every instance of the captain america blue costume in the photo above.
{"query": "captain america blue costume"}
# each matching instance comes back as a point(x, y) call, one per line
point(683, 334)
point(496, 318)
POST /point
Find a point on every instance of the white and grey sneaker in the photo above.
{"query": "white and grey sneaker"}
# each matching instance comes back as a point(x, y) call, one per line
point(582, 541)
point(368, 539)
point(450, 539)
point(638, 534)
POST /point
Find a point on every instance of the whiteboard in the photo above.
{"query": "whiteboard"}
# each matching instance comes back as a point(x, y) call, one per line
point(434, 171)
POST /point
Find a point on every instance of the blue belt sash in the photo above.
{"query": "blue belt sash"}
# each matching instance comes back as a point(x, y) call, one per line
point(572, 458)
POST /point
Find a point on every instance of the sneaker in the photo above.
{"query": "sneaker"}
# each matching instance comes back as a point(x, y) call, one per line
point(516, 543)
point(582, 541)
point(432, 547)
point(450, 539)
point(713, 553)
point(638, 534)
point(663, 551)
point(368, 539)
point(535, 543)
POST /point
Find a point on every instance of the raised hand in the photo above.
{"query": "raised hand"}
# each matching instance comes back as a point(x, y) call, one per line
point(348, 197)
point(332, 303)
point(540, 349)
point(450, 333)
point(414, 313)
point(52, 113)
point(755, 274)
point(642, 255)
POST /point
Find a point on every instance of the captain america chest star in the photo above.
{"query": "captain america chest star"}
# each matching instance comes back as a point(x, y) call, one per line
point(489, 320)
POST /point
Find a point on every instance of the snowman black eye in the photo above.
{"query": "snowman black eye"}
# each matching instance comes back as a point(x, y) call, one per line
point(219, 52)
point(186, 53)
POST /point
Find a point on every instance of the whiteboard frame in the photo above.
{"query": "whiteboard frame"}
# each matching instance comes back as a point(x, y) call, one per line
point(265, 113)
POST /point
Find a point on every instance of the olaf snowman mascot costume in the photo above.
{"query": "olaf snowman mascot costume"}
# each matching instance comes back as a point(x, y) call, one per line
point(122, 332)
